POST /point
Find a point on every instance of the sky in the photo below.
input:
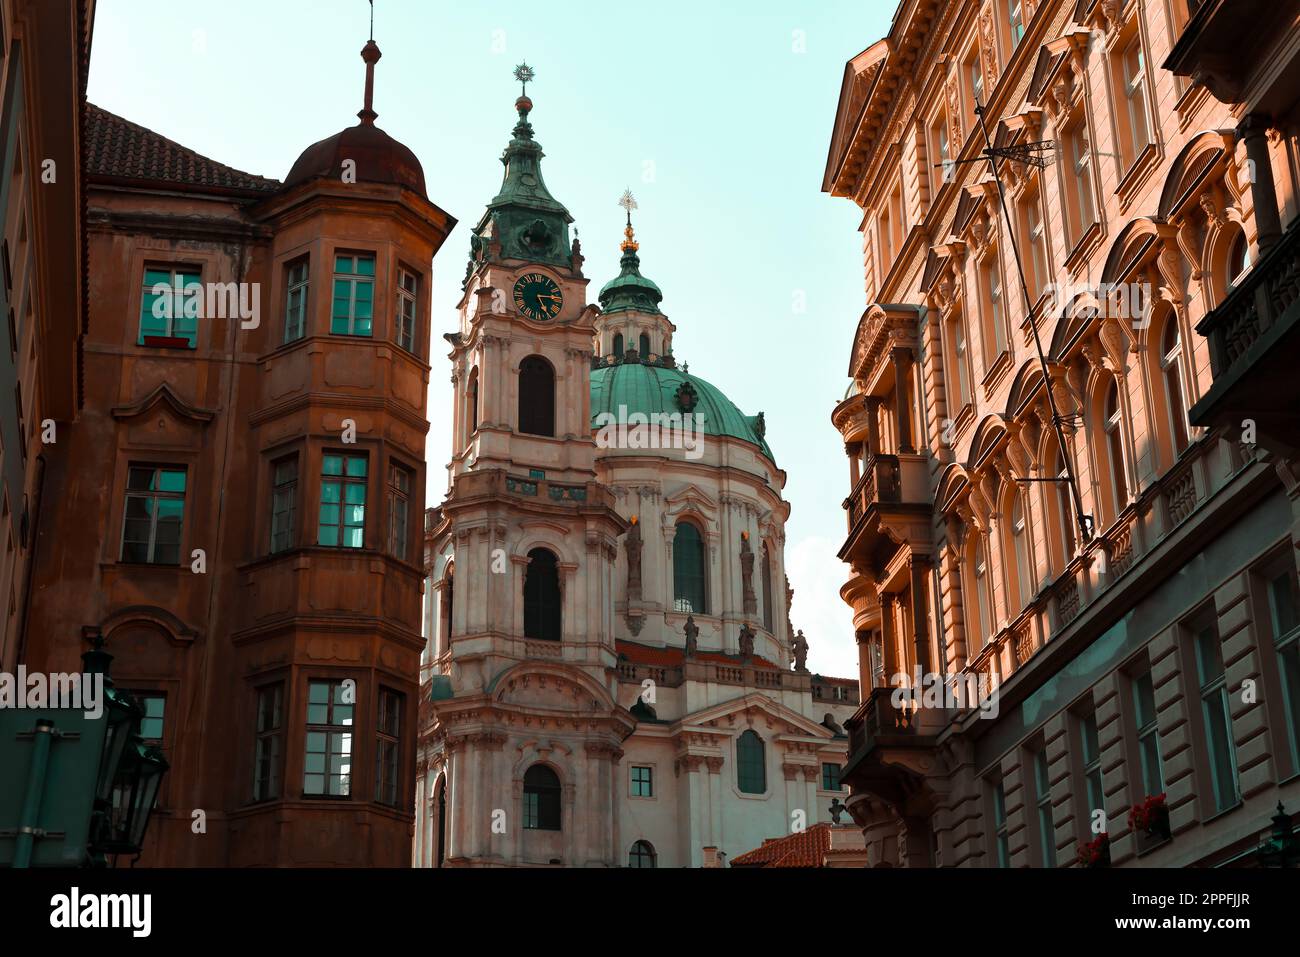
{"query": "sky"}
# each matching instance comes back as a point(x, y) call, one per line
point(716, 114)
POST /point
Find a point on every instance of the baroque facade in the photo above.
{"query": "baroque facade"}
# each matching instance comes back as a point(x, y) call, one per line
point(608, 675)
point(1111, 580)
point(239, 498)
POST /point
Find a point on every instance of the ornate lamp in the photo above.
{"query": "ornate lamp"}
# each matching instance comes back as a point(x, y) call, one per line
point(1281, 849)
point(137, 784)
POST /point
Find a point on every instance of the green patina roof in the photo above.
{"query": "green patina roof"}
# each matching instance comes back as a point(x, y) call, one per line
point(650, 388)
point(527, 220)
point(630, 291)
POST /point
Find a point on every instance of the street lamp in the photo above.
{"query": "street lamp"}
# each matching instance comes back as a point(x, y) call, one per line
point(122, 715)
point(1280, 849)
point(137, 786)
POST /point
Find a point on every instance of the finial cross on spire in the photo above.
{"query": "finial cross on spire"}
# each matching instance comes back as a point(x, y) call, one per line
point(628, 202)
point(524, 74)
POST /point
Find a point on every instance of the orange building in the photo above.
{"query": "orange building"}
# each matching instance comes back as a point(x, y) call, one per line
point(237, 509)
point(1106, 584)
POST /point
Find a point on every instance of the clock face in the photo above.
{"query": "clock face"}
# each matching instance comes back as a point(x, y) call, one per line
point(538, 297)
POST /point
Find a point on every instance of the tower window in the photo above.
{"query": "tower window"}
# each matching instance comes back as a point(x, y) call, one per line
point(642, 781)
point(407, 284)
point(542, 596)
point(751, 769)
point(284, 502)
point(266, 757)
point(688, 569)
point(343, 501)
point(295, 300)
point(388, 747)
point(768, 617)
point(536, 397)
point(327, 769)
point(399, 510)
point(618, 346)
point(354, 295)
point(541, 799)
point(643, 345)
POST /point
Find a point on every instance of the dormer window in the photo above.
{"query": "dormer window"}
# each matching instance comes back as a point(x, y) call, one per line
point(352, 313)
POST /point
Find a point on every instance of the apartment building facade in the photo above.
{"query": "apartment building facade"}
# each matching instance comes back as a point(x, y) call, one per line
point(1103, 587)
point(239, 501)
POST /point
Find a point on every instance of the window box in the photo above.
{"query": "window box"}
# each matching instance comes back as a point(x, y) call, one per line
point(1095, 853)
point(167, 342)
point(1150, 822)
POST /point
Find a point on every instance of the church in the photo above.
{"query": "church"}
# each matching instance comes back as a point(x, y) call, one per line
point(610, 676)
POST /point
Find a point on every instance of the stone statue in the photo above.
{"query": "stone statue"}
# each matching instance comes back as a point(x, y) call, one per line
point(747, 574)
point(836, 810)
point(799, 647)
point(632, 547)
point(692, 634)
point(746, 642)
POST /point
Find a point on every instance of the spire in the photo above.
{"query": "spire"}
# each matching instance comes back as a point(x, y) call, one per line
point(630, 291)
point(370, 53)
point(524, 217)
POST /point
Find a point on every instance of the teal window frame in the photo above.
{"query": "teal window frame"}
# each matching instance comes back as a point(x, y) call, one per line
point(352, 309)
point(831, 776)
point(341, 518)
point(388, 747)
point(331, 720)
point(400, 482)
point(1001, 839)
point(643, 781)
point(1148, 733)
point(1284, 615)
point(1043, 798)
point(1090, 751)
point(169, 330)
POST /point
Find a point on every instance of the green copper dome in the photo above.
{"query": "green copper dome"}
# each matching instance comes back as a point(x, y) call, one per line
point(650, 388)
point(630, 291)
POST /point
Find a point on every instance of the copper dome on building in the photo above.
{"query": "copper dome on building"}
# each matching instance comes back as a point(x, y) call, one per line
point(378, 158)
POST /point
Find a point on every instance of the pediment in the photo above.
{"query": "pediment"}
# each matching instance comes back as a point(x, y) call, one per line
point(165, 397)
point(760, 712)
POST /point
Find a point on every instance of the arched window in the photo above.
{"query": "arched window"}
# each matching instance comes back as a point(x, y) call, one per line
point(541, 799)
point(643, 346)
point(542, 596)
point(1171, 350)
point(767, 588)
point(536, 397)
point(688, 570)
point(1114, 450)
point(1023, 573)
point(641, 855)
point(471, 401)
point(1238, 261)
point(618, 345)
point(751, 768)
point(449, 597)
point(976, 604)
point(1062, 507)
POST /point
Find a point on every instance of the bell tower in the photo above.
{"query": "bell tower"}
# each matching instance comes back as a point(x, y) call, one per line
point(520, 725)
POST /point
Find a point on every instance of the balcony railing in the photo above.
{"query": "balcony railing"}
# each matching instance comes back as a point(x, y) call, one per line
point(1266, 293)
point(881, 482)
point(876, 718)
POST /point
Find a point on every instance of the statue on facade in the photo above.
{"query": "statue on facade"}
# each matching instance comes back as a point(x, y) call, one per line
point(746, 642)
point(632, 548)
point(836, 810)
point(747, 574)
point(692, 634)
point(799, 647)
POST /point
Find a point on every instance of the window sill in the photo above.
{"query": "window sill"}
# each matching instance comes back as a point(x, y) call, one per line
point(166, 342)
point(1078, 258)
point(1001, 366)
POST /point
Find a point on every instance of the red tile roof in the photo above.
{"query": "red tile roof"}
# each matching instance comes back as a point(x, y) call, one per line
point(806, 848)
point(119, 149)
point(672, 657)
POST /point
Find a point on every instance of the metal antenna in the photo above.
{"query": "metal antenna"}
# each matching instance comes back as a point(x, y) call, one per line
point(372, 19)
point(1036, 154)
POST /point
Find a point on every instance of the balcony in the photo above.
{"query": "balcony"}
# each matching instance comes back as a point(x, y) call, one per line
point(1254, 337)
point(891, 487)
point(891, 748)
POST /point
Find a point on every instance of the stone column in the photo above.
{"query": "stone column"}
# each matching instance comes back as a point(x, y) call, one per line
point(872, 403)
point(919, 566)
point(1253, 129)
point(854, 451)
point(889, 657)
point(902, 357)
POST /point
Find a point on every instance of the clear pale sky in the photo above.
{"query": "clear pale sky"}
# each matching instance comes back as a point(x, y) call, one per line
point(707, 110)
